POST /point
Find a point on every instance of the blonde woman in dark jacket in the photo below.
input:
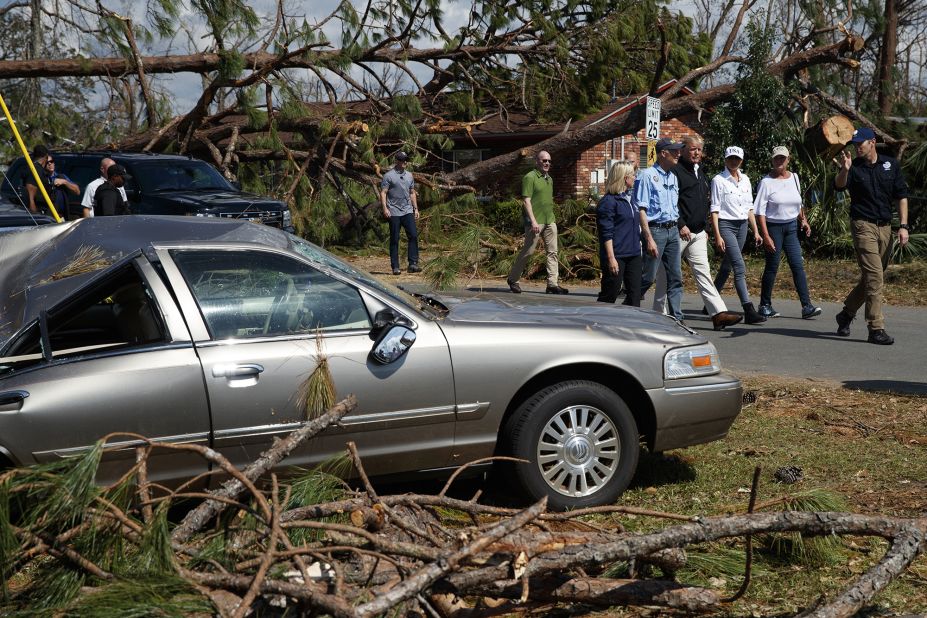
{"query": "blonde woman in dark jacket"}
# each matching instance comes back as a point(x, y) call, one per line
point(619, 229)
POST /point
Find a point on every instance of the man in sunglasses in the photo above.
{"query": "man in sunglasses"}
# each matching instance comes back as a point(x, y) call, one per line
point(35, 202)
point(537, 191)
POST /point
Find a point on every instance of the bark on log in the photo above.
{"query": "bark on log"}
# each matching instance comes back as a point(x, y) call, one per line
point(829, 136)
point(608, 592)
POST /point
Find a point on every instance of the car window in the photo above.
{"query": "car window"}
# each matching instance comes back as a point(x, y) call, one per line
point(180, 175)
point(79, 171)
point(115, 313)
point(317, 254)
point(261, 294)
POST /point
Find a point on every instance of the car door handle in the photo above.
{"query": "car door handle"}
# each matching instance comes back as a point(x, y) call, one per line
point(11, 397)
point(237, 371)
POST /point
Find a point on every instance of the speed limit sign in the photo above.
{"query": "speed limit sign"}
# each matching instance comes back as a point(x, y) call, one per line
point(653, 118)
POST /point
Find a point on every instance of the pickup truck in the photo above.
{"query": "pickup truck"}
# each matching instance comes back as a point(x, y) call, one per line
point(160, 184)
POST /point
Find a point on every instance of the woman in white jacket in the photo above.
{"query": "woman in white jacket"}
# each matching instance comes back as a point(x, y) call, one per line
point(731, 210)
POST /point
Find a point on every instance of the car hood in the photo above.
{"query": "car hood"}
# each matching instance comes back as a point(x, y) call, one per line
point(618, 321)
point(34, 273)
point(222, 200)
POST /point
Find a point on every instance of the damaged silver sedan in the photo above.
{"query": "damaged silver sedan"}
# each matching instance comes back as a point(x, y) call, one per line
point(202, 331)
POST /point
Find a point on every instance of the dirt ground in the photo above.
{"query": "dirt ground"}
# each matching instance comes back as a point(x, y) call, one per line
point(828, 280)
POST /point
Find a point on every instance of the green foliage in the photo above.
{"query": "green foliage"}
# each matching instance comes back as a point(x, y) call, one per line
point(737, 121)
point(155, 554)
point(506, 215)
point(142, 598)
point(231, 64)
point(62, 490)
point(317, 486)
point(462, 106)
point(813, 551)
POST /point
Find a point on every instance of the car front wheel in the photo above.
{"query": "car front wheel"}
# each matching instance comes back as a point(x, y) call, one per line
point(581, 442)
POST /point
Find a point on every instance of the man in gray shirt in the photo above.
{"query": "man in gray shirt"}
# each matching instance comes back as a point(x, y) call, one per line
point(400, 207)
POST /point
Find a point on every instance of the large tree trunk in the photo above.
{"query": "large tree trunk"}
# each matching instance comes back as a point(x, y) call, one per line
point(887, 55)
point(584, 138)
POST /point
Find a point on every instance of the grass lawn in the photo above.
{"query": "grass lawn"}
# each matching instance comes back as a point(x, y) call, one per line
point(868, 449)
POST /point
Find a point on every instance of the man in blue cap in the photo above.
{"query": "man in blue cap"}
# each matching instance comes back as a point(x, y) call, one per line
point(874, 181)
point(656, 194)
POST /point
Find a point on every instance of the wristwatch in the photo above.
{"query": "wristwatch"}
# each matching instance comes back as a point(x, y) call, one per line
point(903, 226)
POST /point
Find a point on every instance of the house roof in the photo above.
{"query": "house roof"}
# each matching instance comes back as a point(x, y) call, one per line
point(522, 123)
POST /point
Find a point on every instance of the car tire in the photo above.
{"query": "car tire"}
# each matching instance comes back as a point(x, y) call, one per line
point(553, 431)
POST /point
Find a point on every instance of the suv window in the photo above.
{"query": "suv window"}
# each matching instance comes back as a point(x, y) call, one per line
point(179, 175)
point(114, 313)
point(259, 294)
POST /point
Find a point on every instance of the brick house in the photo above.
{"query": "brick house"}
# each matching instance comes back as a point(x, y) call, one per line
point(582, 173)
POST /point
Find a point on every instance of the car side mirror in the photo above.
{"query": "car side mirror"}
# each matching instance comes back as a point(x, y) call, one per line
point(383, 319)
point(236, 184)
point(392, 344)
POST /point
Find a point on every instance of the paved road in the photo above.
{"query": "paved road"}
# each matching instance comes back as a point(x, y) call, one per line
point(790, 346)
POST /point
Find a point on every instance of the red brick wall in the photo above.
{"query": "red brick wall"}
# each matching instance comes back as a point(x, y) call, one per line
point(572, 176)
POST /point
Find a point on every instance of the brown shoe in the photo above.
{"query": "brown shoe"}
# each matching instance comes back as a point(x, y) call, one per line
point(726, 318)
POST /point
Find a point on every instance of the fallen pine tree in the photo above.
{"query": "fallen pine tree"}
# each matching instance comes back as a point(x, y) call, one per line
point(313, 546)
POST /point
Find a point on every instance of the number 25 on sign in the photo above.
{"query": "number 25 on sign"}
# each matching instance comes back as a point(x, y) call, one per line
point(653, 118)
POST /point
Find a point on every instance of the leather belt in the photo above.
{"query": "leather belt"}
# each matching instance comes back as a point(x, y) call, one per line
point(879, 222)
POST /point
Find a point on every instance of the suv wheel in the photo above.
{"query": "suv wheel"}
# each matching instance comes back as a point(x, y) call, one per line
point(581, 442)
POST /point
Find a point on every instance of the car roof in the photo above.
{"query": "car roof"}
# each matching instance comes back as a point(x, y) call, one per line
point(32, 261)
point(126, 156)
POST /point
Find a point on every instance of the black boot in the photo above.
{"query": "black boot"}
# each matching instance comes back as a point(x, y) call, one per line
point(751, 316)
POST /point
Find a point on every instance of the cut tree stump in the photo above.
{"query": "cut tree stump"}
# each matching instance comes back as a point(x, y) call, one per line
point(829, 136)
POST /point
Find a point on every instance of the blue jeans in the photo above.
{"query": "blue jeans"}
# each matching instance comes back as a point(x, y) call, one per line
point(785, 237)
point(407, 222)
point(668, 253)
point(734, 234)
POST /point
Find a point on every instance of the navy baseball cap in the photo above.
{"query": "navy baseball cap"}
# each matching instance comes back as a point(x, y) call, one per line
point(665, 143)
point(862, 134)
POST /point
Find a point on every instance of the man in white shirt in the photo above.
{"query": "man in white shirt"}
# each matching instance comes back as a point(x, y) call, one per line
point(91, 190)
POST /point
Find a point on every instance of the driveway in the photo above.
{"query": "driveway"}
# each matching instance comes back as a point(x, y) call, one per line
point(790, 346)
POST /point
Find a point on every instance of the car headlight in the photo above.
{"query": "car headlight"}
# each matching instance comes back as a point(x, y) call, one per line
point(690, 362)
point(287, 218)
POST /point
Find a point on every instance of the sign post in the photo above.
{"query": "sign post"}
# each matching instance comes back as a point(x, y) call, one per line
point(652, 127)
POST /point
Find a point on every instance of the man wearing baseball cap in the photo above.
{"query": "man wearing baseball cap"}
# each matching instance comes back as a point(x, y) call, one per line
point(109, 199)
point(656, 194)
point(874, 181)
point(400, 207)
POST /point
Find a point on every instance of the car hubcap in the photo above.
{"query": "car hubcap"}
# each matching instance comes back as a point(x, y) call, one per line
point(578, 451)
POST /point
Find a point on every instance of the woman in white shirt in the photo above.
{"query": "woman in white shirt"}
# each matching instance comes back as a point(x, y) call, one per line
point(731, 210)
point(779, 215)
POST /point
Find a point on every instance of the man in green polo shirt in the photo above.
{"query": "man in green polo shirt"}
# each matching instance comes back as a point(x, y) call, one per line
point(537, 189)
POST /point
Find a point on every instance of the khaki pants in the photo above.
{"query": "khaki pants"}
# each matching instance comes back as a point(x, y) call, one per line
point(873, 245)
point(549, 235)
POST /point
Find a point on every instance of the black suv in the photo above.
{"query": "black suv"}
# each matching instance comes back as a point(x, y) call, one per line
point(160, 184)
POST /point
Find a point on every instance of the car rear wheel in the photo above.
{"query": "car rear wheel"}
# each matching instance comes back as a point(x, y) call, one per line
point(581, 442)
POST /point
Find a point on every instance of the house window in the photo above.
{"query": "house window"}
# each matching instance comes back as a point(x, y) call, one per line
point(464, 157)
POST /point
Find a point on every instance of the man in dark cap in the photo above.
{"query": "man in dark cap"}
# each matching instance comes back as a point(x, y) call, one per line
point(400, 208)
point(656, 194)
point(874, 181)
point(108, 200)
